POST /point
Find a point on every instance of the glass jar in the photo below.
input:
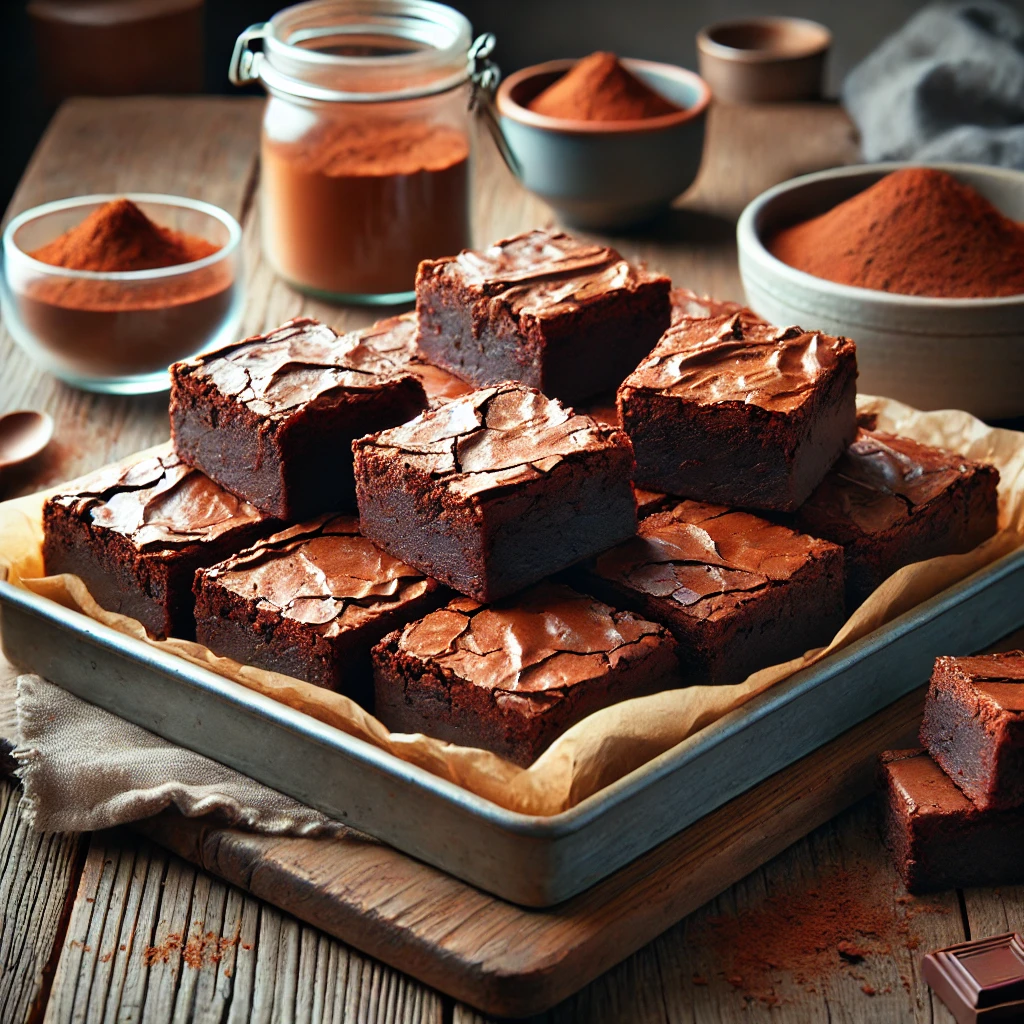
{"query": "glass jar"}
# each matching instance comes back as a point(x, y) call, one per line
point(365, 149)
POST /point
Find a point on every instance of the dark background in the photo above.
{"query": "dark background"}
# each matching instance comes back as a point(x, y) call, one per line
point(528, 31)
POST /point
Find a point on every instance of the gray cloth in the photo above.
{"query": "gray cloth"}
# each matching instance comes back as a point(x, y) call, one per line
point(948, 86)
point(84, 769)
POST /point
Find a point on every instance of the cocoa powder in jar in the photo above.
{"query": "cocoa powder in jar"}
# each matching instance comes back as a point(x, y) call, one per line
point(352, 206)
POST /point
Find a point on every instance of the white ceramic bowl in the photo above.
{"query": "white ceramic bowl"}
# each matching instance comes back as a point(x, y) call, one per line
point(605, 174)
point(930, 353)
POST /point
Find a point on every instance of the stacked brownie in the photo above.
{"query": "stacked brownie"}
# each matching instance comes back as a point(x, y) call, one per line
point(516, 563)
point(955, 810)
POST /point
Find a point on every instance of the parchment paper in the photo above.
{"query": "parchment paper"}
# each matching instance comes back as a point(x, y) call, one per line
point(614, 741)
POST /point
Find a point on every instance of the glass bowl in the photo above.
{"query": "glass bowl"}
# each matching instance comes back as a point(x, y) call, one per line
point(119, 332)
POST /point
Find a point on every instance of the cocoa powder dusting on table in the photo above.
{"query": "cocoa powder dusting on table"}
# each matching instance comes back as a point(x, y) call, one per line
point(808, 935)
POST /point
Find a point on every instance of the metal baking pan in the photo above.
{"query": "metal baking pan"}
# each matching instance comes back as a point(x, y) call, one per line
point(530, 860)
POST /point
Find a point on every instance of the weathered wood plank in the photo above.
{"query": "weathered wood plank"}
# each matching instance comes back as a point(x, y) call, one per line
point(36, 873)
point(152, 940)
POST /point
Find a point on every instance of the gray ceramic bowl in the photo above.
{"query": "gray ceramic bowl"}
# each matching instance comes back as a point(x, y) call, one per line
point(931, 353)
point(605, 174)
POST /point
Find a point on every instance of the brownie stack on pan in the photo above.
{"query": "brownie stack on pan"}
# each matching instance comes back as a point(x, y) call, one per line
point(955, 809)
point(412, 515)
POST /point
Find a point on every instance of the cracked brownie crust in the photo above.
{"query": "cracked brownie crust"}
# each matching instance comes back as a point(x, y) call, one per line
point(891, 501)
point(729, 409)
point(496, 490)
point(136, 536)
point(272, 417)
point(512, 677)
point(739, 593)
point(974, 726)
point(310, 602)
point(568, 317)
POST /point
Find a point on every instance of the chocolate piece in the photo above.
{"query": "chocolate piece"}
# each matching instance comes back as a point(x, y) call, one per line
point(739, 593)
point(310, 602)
point(568, 317)
point(272, 417)
point(732, 410)
point(891, 501)
point(512, 677)
point(393, 341)
point(981, 980)
point(974, 726)
point(137, 534)
point(495, 490)
point(938, 838)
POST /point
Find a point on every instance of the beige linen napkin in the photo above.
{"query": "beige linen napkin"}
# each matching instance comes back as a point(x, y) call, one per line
point(84, 769)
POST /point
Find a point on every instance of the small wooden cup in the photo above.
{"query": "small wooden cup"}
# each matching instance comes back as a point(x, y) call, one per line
point(764, 60)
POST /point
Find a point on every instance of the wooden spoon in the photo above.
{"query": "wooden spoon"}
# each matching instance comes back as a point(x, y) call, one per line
point(23, 434)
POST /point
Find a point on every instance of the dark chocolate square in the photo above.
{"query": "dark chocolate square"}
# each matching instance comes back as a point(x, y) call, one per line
point(568, 317)
point(739, 593)
point(272, 417)
point(513, 676)
point(731, 410)
point(136, 535)
point(980, 980)
point(496, 490)
point(891, 501)
point(310, 602)
point(974, 726)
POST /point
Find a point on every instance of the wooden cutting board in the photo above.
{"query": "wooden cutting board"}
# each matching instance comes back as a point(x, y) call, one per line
point(513, 961)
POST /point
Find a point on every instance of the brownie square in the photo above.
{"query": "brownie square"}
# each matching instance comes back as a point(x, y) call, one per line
point(687, 305)
point(495, 490)
point(393, 342)
point(310, 602)
point(272, 417)
point(513, 676)
point(739, 593)
point(137, 534)
point(891, 501)
point(571, 318)
point(732, 410)
point(974, 727)
point(938, 838)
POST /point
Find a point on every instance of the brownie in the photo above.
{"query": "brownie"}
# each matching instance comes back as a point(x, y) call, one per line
point(980, 980)
point(513, 676)
point(272, 417)
point(137, 534)
point(393, 341)
point(739, 593)
point(310, 602)
point(974, 726)
point(891, 501)
point(731, 410)
point(687, 305)
point(495, 490)
point(938, 838)
point(571, 318)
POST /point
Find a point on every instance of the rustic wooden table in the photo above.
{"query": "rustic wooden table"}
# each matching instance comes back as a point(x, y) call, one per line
point(78, 913)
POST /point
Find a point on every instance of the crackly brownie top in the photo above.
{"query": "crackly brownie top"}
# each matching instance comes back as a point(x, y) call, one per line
point(1000, 677)
point(542, 273)
point(546, 638)
point(739, 358)
point(687, 305)
point(322, 573)
point(276, 373)
point(159, 503)
point(494, 438)
point(882, 479)
point(393, 342)
point(708, 559)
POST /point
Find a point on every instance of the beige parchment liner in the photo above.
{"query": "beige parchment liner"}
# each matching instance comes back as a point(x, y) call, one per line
point(614, 741)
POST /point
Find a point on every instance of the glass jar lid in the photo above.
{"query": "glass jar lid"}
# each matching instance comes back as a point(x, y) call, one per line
point(363, 51)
